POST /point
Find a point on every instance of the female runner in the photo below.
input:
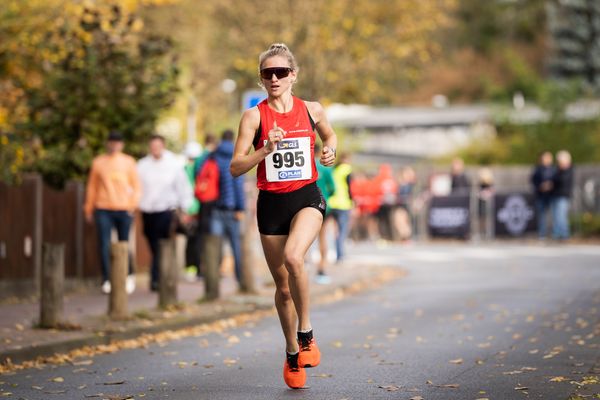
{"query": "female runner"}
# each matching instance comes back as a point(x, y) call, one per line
point(290, 207)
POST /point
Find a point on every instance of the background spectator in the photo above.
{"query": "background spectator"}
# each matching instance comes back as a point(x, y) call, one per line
point(561, 195)
point(326, 184)
point(460, 182)
point(542, 181)
point(165, 189)
point(341, 202)
point(113, 193)
point(192, 152)
point(229, 207)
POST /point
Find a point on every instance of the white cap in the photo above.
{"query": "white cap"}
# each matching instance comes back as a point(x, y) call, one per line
point(192, 149)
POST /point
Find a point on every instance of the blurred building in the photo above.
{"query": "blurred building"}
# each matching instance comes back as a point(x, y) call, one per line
point(403, 135)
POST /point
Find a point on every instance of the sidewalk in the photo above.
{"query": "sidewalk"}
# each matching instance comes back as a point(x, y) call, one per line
point(20, 340)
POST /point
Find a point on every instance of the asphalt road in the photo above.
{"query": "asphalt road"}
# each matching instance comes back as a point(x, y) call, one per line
point(498, 322)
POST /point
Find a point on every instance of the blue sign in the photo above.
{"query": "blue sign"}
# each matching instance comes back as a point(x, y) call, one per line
point(251, 98)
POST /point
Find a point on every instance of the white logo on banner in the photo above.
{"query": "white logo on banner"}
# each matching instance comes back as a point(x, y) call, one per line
point(448, 217)
point(515, 214)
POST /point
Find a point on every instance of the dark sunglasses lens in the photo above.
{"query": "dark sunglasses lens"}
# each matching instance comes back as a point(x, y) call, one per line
point(280, 73)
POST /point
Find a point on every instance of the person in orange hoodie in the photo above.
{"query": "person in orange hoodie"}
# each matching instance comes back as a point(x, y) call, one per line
point(112, 195)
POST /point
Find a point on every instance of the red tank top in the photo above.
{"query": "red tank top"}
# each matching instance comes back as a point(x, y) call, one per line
point(293, 167)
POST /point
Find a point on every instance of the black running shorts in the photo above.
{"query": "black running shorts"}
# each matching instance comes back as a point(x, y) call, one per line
point(275, 211)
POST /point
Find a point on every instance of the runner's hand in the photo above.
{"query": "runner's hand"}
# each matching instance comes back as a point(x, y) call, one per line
point(327, 156)
point(275, 135)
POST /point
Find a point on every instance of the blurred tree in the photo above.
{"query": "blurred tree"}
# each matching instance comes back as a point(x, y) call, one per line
point(575, 28)
point(79, 70)
point(347, 51)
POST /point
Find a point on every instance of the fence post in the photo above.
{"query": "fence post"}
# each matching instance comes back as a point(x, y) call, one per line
point(168, 273)
point(52, 285)
point(117, 306)
point(211, 262)
point(247, 285)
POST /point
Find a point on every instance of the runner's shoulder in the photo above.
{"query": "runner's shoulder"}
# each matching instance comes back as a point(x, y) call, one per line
point(315, 109)
point(251, 118)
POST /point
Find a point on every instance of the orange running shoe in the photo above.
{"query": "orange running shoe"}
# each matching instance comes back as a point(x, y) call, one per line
point(293, 374)
point(310, 356)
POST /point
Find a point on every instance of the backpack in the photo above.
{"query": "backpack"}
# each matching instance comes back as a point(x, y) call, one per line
point(207, 181)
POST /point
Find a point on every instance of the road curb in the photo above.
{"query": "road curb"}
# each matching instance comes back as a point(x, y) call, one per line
point(370, 277)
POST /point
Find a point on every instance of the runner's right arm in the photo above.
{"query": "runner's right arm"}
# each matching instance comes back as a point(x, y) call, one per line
point(243, 161)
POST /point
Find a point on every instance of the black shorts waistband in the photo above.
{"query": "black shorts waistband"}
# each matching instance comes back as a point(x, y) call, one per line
point(311, 187)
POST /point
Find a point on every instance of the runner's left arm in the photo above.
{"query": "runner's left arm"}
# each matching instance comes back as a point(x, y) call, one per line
point(325, 131)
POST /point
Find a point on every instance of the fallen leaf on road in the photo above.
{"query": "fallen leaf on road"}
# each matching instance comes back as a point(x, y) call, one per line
point(512, 372)
point(449, 385)
point(390, 388)
point(229, 361)
point(484, 345)
point(113, 383)
point(37, 387)
point(417, 398)
point(558, 379)
point(55, 391)
point(19, 327)
point(457, 361)
point(233, 339)
point(528, 369)
point(521, 388)
point(83, 362)
point(534, 351)
point(337, 344)
point(322, 376)
point(58, 379)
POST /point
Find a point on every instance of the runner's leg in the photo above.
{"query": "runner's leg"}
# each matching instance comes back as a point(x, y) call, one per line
point(273, 246)
point(303, 231)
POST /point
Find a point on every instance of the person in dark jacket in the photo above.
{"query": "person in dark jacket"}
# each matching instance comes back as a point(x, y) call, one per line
point(460, 182)
point(229, 207)
point(561, 195)
point(542, 181)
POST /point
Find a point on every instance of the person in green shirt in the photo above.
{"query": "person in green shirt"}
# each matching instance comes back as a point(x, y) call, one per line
point(192, 152)
point(327, 185)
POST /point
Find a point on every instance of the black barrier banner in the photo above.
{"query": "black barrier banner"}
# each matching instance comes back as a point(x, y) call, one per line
point(449, 217)
point(514, 214)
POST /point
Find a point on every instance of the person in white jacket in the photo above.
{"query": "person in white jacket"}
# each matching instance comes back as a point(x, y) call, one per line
point(165, 189)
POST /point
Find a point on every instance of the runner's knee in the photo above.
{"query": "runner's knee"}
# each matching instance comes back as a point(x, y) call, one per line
point(294, 263)
point(283, 294)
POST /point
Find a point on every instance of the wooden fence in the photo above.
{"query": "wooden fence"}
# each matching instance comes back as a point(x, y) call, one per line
point(32, 213)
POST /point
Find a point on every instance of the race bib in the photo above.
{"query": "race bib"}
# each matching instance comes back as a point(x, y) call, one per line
point(291, 161)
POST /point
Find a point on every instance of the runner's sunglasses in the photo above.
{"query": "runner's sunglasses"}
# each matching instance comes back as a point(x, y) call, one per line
point(280, 72)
